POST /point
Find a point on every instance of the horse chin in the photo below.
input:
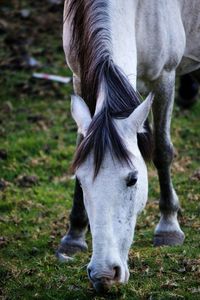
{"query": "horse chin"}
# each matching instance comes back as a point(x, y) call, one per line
point(103, 286)
point(100, 287)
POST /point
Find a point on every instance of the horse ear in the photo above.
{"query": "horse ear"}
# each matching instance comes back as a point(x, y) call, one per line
point(81, 114)
point(140, 114)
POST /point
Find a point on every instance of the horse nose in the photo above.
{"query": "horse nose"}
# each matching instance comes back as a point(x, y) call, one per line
point(105, 276)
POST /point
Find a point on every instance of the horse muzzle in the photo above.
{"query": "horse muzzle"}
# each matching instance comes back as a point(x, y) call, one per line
point(102, 280)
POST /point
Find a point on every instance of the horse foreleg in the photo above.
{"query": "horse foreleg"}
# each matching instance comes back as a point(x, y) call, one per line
point(167, 231)
point(74, 240)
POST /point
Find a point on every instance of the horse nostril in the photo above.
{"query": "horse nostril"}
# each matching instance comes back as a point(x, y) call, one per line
point(112, 274)
point(117, 272)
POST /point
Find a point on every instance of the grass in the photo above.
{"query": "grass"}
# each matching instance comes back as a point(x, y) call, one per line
point(37, 137)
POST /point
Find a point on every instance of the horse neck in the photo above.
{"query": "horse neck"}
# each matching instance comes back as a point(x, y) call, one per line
point(122, 41)
point(103, 31)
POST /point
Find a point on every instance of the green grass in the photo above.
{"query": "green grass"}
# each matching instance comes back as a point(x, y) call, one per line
point(33, 219)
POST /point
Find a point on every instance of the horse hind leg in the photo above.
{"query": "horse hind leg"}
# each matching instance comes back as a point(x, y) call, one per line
point(196, 75)
point(74, 240)
point(167, 231)
point(188, 89)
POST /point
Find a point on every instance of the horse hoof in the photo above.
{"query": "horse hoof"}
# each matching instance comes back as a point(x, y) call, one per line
point(70, 246)
point(173, 238)
point(62, 257)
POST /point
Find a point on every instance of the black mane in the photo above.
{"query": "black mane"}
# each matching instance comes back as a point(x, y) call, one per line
point(91, 37)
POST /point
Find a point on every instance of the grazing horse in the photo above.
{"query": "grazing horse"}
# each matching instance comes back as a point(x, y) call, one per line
point(111, 46)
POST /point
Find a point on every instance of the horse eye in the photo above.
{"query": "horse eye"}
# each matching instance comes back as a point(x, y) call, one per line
point(132, 178)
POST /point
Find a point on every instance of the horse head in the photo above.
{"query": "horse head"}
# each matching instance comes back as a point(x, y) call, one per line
point(114, 196)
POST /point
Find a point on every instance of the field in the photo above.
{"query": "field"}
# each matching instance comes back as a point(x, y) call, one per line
point(37, 142)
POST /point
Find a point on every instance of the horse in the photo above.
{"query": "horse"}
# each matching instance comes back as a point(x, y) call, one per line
point(188, 90)
point(118, 50)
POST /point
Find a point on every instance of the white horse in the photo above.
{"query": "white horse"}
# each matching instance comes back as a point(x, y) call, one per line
point(112, 48)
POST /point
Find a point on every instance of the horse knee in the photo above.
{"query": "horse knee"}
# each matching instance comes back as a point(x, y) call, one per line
point(163, 154)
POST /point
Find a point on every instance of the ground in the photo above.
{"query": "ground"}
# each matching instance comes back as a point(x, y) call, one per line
point(37, 142)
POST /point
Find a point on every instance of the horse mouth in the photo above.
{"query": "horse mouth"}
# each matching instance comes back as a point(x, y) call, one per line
point(103, 285)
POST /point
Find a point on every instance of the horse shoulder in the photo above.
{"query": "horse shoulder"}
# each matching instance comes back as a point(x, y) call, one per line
point(160, 38)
